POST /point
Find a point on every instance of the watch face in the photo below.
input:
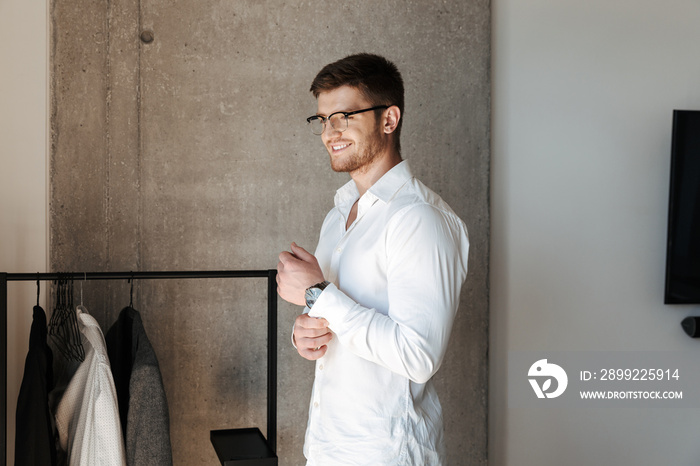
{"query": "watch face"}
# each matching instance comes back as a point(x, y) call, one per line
point(312, 295)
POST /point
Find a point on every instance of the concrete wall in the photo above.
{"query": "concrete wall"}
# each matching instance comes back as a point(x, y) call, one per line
point(191, 153)
point(23, 180)
point(583, 101)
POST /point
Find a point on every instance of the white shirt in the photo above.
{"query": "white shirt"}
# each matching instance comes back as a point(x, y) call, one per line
point(395, 276)
point(87, 418)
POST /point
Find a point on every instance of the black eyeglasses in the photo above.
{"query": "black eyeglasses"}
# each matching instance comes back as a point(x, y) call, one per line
point(338, 120)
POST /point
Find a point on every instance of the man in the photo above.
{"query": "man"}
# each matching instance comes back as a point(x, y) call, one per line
point(383, 287)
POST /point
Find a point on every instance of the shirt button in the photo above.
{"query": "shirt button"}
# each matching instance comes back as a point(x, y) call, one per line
point(339, 250)
point(320, 367)
point(315, 404)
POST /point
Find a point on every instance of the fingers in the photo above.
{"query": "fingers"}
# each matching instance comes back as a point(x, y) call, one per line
point(311, 336)
point(306, 322)
point(312, 354)
point(293, 261)
point(296, 271)
point(288, 287)
point(302, 253)
point(286, 257)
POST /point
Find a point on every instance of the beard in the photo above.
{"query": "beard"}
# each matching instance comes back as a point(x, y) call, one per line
point(362, 159)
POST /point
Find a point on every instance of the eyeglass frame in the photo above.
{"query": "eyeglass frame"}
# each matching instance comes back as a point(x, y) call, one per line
point(345, 114)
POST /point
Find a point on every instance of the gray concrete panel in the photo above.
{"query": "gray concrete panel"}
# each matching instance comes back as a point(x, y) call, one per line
point(192, 153)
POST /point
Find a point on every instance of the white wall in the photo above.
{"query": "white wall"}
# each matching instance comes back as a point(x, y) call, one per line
point(23, 185)
point(583, 94)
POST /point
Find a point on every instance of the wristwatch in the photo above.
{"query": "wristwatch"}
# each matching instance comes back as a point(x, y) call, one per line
point(313, 292)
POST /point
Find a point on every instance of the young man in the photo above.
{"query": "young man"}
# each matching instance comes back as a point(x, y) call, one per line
point(383, 287)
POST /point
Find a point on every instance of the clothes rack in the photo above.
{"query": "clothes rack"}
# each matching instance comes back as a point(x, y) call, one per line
point(162, 275)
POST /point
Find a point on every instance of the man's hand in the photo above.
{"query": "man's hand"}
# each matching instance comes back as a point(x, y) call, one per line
point(296, 271)
point(311, 335)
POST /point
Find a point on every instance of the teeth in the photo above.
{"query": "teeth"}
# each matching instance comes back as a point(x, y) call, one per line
point(341, 146)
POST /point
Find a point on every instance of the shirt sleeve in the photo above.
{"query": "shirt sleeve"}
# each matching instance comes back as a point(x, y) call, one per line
point(426, 251)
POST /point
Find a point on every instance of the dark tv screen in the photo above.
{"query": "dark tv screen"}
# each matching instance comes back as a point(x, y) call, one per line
point(683, 241)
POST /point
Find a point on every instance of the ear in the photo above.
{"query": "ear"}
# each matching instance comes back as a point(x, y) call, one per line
point(392, 115)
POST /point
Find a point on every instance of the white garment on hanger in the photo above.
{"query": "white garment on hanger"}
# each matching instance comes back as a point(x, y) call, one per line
point(87, 417)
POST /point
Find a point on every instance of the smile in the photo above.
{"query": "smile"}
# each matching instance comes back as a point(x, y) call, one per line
point(337, 147)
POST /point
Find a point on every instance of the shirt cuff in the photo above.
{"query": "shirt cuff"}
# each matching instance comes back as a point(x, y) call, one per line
point(333, 305)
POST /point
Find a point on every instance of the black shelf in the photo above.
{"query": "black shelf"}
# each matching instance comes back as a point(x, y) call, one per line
point(242, 447)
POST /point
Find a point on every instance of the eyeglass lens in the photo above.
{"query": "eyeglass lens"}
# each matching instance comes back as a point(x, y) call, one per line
point(338, 122)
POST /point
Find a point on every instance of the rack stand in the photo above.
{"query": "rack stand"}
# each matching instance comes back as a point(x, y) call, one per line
point(239, 447)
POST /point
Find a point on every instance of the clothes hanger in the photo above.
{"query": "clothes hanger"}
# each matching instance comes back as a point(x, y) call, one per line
point(131, 291)
point(38, 289)
point(56, 324)
point(80, 307)
point(76, 343)
point(63, 327)
point(56, 313)
point(74, 335)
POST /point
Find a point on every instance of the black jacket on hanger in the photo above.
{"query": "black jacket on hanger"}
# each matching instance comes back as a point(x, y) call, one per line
point(34, 439)
point(143, 408)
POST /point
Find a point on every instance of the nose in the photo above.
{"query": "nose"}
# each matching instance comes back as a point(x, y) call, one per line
point(330, 133)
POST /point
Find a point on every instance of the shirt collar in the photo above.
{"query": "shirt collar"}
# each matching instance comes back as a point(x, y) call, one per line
point(384, 189)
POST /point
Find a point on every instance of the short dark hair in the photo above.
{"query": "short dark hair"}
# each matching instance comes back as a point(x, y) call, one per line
point(378, 79)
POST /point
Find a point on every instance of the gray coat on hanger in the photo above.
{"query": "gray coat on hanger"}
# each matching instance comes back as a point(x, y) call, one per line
point(143, 407)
